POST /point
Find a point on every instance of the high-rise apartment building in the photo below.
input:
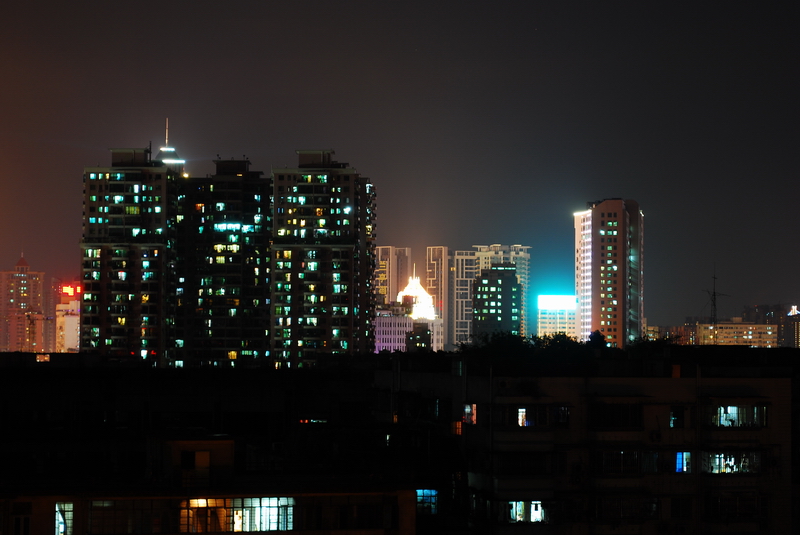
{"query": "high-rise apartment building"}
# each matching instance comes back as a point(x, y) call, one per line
point(127, 246)
point(223, 228)
point(557, 314)
point(322, 260)
point(518, 255)
point(497, 301)
point(437, 280)
point(450, 279)
point(392, 270)
point(609, 244)
point(22, 315)
point(464, 268)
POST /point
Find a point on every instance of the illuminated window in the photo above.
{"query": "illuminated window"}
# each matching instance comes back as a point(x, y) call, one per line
point(683, 461)
point(64, 512)
point(526, 512)
point(470, 413)
point(427, 501)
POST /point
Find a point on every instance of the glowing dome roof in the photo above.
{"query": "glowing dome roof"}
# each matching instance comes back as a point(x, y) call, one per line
point(423, 303)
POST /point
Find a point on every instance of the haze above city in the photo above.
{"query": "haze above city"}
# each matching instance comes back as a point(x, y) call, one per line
point(478, 123)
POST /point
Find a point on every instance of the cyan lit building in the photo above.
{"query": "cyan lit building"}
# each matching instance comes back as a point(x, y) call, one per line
point(222, 260)
point(323, 260)
point(557, 314)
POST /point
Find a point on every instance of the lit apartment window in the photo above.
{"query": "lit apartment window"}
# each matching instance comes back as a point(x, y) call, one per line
point(63, 518)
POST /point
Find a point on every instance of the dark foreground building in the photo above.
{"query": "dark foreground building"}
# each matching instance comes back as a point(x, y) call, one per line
point(505, 439)
point(223, 230)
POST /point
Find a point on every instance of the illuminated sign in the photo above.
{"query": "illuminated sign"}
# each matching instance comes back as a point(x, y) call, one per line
point(71, 290)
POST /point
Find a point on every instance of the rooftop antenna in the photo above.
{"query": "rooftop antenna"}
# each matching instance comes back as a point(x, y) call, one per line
point(713, 295)
point(166, 136)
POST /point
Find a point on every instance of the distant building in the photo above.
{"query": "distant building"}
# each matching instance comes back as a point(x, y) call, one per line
point(392, 270)
point(792, 331)
point(497, 300)
point(777, 315)
point(322, 260)
point(22, 315)
point(68, 318)
point(451, 274)
point(464, 267)
point(392, 326)
point(519, 256)
point(609, 282)
point(223, 230)
point(128, 255)
point(735, 332)
point(557, 314)
point(410, 323)
point(437, 283)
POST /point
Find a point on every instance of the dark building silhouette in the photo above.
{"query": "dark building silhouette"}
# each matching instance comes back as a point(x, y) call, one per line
point(223, 231)
point(508, 437)
point(502, 438)
point(497, 301)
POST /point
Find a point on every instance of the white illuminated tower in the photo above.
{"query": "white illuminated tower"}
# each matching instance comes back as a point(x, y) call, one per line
point(609, 246)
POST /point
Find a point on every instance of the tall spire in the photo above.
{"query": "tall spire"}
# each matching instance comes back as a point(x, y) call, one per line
point(167, 154)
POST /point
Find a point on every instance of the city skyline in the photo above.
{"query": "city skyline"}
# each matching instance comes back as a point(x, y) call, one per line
point(482, 124)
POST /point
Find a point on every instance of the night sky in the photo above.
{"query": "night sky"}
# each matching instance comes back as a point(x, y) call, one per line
point(479, 122)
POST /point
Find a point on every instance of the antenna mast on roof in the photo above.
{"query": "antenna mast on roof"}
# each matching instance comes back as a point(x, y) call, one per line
point(713, 294)
point(166, 135)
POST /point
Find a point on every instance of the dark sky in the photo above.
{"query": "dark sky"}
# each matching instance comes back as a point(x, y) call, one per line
point(479, 122)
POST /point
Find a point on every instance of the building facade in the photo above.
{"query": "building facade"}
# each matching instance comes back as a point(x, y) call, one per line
point(733, 332)
point(609, 271)
point(557, 314)
point(519, 256)
point(437, 281)
point(22, 314)
point(392, 270)
point(223, 231)
point(497, 301)
point(68, 318)
point(128, 257)
point(322, 260)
